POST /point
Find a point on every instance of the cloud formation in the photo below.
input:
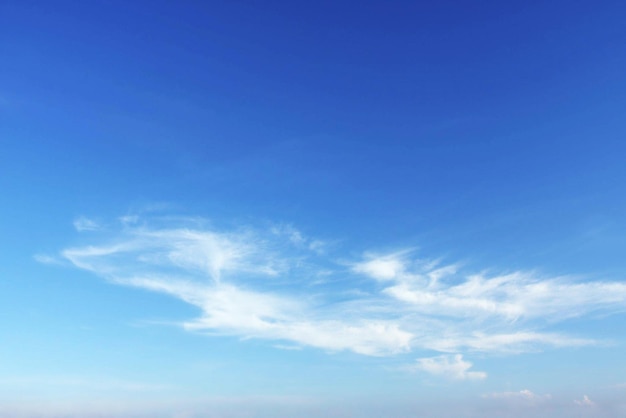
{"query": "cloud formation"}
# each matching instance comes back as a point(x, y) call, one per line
point(278, 284)
point(451, 367)
point(223, 274)
point(511, 297)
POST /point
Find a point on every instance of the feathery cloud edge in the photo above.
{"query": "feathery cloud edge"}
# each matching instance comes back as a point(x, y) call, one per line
point(256, 283)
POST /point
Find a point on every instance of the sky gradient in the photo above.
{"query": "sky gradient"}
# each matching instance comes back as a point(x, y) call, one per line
point(268, 209)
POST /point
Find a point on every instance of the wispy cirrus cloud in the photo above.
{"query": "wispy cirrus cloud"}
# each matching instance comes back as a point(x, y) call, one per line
point(83, 223)
point(265, 283)
point(227, 276)
point(511, 297)
point(503, 342)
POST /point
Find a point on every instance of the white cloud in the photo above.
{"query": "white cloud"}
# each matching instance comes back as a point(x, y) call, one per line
point(231, 310)
point(449, 366)
point(298, 239)
point(294, 235)
point(266, 284)
point(218, 273)
point(515, 342)
point(585, 401)
point(387, 267)
point(512, 297)
point(85, 224)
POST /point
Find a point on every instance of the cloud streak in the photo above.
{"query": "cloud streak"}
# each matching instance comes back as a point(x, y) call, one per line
point(85, 224)
point(265, 284)
point(524, 395)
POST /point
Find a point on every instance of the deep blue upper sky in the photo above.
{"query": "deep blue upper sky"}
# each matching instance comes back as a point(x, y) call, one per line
point(421, 115)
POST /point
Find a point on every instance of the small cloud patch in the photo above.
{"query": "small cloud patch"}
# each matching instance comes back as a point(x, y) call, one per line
point(450, 367)
point(585, 401)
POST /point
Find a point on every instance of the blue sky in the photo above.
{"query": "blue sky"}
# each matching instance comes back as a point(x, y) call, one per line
point(315, 209)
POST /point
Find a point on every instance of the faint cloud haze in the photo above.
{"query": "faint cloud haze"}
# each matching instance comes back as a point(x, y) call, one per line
point(85, 224)
point(585, 401)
